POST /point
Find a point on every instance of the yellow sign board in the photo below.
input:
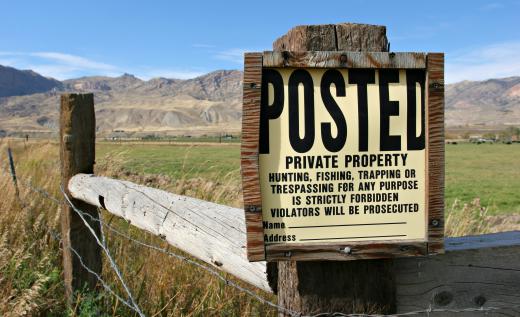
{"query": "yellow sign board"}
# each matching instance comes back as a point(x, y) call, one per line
point(342, 155)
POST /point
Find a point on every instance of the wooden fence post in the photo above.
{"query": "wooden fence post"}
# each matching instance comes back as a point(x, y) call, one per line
point(77, 153)
point(13, 172)
point(363, 286)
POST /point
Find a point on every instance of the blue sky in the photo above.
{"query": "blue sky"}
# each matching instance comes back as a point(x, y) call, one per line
point(184, 39)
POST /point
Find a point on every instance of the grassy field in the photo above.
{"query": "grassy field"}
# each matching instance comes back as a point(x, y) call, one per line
point(176, 161)
point(490, 172)
point(480, 179)
point(30, 267)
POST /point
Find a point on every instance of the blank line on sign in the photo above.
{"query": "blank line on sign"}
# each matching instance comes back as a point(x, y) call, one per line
point(395, 235)
point(352, 225)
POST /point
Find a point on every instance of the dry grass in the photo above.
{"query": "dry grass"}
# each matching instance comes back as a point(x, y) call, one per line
point(472, 219)
point(30, 270)
point(30, 282)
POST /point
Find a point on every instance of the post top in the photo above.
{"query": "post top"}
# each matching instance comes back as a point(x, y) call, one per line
point(334, 37)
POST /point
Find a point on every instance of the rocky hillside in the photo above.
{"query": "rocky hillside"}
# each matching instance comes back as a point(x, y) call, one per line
point(206, 104)
point(14, 82)
point(487, 103)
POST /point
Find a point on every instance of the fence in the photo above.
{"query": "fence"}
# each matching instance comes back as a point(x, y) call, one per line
point(477, 275)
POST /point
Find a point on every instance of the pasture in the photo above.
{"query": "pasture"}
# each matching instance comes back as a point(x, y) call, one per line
point(490, 172)
point(30, 263)
point(186, 160)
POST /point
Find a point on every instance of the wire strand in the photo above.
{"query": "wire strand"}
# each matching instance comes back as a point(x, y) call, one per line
point(107, 253)
point(290, 312)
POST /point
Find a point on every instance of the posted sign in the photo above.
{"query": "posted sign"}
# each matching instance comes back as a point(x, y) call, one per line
point(342, 155)
point(342, 159)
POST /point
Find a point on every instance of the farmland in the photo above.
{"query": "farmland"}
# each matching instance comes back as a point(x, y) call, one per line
point(490, 172)
point(30, 263)
point(180, 160)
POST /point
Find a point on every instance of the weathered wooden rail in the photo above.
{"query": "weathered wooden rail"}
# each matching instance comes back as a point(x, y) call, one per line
point(211, 232)
point(476, 271)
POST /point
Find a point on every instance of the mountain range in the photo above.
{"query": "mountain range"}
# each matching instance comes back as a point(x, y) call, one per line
point(492, 102)
point(207, 104)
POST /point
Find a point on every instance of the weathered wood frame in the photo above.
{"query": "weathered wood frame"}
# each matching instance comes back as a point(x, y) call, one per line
point(433, 64)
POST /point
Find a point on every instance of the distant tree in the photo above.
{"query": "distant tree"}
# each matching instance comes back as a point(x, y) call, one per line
point(489, 136)
point(149, 137)
point(509, 133)
point(513, 131)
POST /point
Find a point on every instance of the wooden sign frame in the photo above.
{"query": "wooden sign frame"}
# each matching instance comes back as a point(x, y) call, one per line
point(433, 64)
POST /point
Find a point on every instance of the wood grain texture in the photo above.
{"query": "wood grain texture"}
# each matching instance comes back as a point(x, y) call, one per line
point(249, 156)
point(213, 233)
point(77, 153)
point(332, 286)
point(361, 37)
point(345, 59)
point(334, 37)
point(469, 278)
point(435, 151)
point(346, 252)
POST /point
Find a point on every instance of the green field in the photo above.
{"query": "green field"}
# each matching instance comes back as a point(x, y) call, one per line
point(176, 161)
point(490, 172)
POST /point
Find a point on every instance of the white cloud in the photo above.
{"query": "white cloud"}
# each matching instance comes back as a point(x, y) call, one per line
point(58, 65)
point(235, 55)
point(8, 61)
point(65, 66)
point(74, 61)
point(479, 63)
point(169, 73)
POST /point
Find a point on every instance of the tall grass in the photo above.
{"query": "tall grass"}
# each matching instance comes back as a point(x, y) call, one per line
point(30, 263)
point(472, 218)
point(30, 281)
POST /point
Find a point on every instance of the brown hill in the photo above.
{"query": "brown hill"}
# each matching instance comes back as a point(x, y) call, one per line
point(206, 104)
point(212, 103)
point(14, 82)
point(492, 102)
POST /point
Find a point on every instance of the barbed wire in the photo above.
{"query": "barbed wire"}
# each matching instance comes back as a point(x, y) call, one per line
point(56, 236)
point(98, 277)
point(199, 265)
point(210, 270)
point(113, 264)
point(42, 192)
point(27, 183)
